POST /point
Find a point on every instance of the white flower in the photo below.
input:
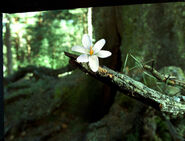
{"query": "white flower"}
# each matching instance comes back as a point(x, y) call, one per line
point(91, 53)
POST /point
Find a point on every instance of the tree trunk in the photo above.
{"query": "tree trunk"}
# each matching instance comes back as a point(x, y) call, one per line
point(17, 45)
point(28, 49)
point(166, 36)
point(8, 46)
point(146, 31)
point(107, 29)
point(163, 26)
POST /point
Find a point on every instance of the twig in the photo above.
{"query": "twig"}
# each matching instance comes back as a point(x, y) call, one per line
point(168, 80)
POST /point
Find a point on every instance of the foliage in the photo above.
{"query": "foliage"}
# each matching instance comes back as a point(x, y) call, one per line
point(37, 107)
point(40, 38)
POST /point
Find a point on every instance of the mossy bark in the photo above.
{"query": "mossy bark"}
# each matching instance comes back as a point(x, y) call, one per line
point(107, 29)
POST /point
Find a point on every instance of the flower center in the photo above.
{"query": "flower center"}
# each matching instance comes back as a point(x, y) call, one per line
point(91, 51)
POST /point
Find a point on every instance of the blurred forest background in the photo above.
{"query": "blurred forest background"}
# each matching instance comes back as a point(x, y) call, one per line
point(40, 38)
point(47, 99)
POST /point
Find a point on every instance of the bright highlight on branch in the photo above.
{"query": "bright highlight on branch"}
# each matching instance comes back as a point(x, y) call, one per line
point(91, 53)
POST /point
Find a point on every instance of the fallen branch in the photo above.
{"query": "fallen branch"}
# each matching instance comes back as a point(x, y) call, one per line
point(133, 89)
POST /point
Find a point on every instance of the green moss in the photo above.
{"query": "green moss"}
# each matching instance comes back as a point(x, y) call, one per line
point(81, 94)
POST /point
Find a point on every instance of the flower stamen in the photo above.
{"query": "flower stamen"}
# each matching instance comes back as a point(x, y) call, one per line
point(91, 51)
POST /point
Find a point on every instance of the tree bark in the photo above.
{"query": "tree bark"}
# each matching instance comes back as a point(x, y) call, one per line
point(8, 46)
point(17, 45)
point(108, 29)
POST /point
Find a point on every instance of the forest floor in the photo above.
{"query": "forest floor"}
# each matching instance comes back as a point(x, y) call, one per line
point(56, 108)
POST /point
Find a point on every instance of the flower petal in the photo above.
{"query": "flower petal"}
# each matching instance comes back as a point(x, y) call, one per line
point(104, 54)
point(83, 58)
point(79, 49)
point(86, 41)
point(98, 45)
point(93, 63)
